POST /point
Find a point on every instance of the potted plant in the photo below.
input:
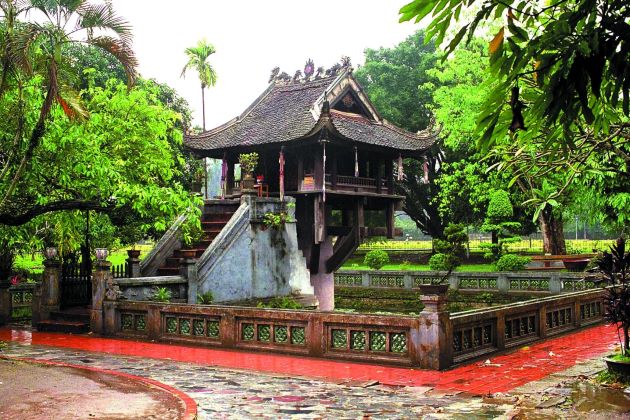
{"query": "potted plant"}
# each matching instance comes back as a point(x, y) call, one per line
point(248, 162)
point(197, 180)
point(614, 269)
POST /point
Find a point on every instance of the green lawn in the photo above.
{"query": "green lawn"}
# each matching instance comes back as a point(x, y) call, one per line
point(34, 263)
point(419, 267)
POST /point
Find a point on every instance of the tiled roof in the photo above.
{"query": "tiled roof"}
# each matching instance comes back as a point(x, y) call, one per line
point(284, 112)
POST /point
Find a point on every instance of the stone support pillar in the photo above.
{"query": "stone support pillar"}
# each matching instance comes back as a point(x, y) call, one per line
point(102, 280)
point(323, 282)
point(435, 334)
point(188, 270)
point(51, 288)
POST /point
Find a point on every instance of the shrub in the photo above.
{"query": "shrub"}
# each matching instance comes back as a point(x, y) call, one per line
point(161, 294)
point(453, 246)
point(248, 162)
point(511, 262)
point(205, 299)
point(376, 259)
point(280, 302)
point(442, 262)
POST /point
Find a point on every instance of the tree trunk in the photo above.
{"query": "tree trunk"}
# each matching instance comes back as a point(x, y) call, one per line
point(6, 264)
point(626, 338)
point(552, 232)
point(203, 109)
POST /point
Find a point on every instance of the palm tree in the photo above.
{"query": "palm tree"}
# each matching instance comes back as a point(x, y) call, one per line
point(198, 61)
point(36, 47)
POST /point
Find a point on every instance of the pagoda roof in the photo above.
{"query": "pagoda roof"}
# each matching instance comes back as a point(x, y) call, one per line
point(290, 111)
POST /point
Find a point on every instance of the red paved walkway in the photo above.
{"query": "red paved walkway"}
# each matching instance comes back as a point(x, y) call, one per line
point(505, 373)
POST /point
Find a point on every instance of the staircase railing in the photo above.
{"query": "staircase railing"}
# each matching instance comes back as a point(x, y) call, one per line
point(169, 242)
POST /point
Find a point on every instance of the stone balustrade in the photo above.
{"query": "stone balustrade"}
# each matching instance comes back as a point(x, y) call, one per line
point(550, 282)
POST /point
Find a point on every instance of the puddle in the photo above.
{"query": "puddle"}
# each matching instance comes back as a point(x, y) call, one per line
point(588, 397)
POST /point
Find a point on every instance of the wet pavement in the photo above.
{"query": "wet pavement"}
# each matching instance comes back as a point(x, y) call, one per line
point(239, 394)
point(32, 391)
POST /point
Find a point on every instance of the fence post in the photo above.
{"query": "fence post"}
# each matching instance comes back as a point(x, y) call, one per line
point(453, 281)
point(365, 279)
point(408, 281)
point(555, 284)
point(50, 298)
point(5, 303)
point(503, 282)
point(435, 334)
point(36, 305)
point(188, 270)
point(133, 263)
point(100, 279)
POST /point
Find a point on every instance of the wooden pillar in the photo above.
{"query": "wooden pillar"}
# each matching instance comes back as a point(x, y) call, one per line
point(379, 176)
point(333, 170)
point(318, 168)
point(389, 215)
point(300, 171)
point(358, 218)
point(229, 178)
point(389, 173)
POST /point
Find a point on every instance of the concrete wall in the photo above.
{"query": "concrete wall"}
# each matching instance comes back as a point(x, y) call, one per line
point(250, 260)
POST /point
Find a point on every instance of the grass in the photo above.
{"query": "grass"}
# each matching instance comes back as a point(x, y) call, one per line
point(418, 267)
point(525, 245)
point(34, 263)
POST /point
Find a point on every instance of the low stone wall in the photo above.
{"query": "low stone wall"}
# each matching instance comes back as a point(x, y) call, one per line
point(143, 288)
point(21, 301)
point(432, 340)
point(481, 332)
point(550, 282)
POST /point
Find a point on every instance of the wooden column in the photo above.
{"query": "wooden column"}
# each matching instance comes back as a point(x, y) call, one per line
point(389, 173)
point(358, 218)
point(389, 215)
point(229, 178)
point(333, 171)
point(300, 172)
point(379, 176)
point(318, 168)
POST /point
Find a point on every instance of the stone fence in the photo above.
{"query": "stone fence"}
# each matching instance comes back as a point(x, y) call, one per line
point(432, 340)
point(550, 282)
point(143, 288)
point(19, 302)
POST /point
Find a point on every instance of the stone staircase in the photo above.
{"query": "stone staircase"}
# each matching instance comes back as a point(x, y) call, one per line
point(216, 214)
point(71, 320)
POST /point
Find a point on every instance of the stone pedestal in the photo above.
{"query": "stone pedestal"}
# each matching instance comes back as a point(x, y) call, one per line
point(101, 279)
point(323, 282)
point(51, 293)
point(435, 334)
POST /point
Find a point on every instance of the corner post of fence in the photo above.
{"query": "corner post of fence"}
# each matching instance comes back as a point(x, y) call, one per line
point(188, 270)
point(133, 263)
point(5, 303)
point(51, 288)
point(102, 280)
point(36, 304)
point(433, 347)
point(408, 281)
point(453, 281)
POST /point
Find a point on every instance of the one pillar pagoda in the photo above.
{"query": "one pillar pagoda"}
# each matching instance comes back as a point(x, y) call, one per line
point(321, 141)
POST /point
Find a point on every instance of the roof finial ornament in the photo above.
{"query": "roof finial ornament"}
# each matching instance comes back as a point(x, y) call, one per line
point(274, 74)
point(283, 77)
point(333, 70)
point(297, 76)
point(346, 61)
point(320, 72)
point(309, 69)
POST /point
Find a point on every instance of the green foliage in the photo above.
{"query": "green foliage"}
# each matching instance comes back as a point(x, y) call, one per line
point(280, 302)
point(276, 220)
point(161, 294)
point(511, 262)
point(376, 259)
point(205, 299)
point(441, 262)
point(498, 222)
point(198, 60)
point(248, 162)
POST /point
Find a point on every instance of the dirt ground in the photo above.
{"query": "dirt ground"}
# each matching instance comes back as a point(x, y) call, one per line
point(32, 391)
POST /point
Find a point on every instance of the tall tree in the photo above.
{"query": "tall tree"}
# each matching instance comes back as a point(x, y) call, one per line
point(34, 49)
point(198, 60)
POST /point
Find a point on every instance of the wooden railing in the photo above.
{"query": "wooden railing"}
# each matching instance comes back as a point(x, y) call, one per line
point(345, 181)
point(552, 282)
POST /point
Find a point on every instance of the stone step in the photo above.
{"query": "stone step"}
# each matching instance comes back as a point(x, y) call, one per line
point(172, 262)
point(168, 271)
point(68, 327)
point(78, 315)
point(217, 217)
